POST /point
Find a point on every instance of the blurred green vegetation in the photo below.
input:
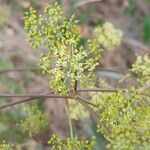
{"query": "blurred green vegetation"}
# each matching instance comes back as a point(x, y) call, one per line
point(146, 29)
point(131, 8)
point(4, 15)
point(5, 64)
point(7, 83)
point(12, 128)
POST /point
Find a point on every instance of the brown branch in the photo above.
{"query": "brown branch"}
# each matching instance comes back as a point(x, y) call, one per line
point(19, 102)
point(97, 90)
point(89, 103)
point(57, 96)
point(84, 2)
point(136, 44)
point(19, 70)
point(38, 69)
point(33, 95)
point(31, 99)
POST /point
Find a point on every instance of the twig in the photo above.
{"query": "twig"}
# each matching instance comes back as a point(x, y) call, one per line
point(39, 70)
point(98, 90)
point(34, 95)
point(89, 103)
point(134, 43)
point(124, 78)
point(56, 96)
point(82, 102)
point(84, 2)
point(31, 99)
point(19, 102)
point(19, 70)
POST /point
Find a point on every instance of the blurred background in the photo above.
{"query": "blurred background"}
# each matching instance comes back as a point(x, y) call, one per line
point(19, 72)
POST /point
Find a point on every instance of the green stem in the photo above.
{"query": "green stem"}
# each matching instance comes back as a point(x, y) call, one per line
point(70, 122)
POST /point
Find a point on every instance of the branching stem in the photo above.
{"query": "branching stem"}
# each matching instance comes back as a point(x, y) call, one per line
point(83, 103)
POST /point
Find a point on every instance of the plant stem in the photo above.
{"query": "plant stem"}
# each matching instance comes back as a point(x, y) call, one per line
point(75, 87)
point(31, 99)
point(70, 122)
point(89, 103)
point(83, 103)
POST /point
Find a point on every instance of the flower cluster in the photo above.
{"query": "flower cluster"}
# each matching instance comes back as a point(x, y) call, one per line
point(71, 144)
point(34, 121)
point(124, 119)
point(124, 114)
point(108, 36)
point(141, 68)
point(67, 59)
point(5, 146)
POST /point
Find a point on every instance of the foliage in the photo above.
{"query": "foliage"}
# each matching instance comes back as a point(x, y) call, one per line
point(124, 114)
point(8, 125)
point(131, 8)
point(5, 146)
point(4, 64)
point(70, 144)
point(66, 59)
point(35, 121)
point(10, 85)
point(9, 117)
point(108, 36)
point(4, 15)
point(141, 68)
point(146, 29)
point(124, 119)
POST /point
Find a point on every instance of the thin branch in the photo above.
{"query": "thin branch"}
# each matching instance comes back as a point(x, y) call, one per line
point(56, 96)
point(75, 87)
point(134, 43)
point(82, 102)
point(98, 90)
point(19, 70)
point(31, 99)
point(89, 103)
point(84, 2)
point(38, 69)
point(34, 95)
point(18, 102)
